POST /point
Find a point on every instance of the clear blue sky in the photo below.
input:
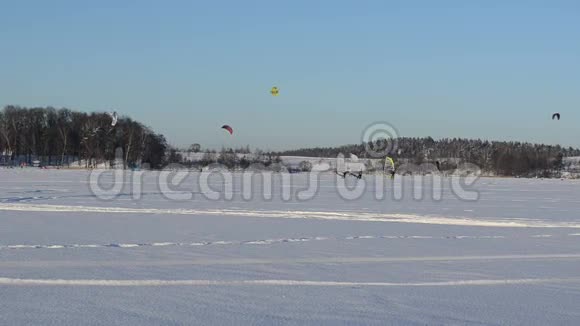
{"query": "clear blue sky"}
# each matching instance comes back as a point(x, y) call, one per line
point(477, 69)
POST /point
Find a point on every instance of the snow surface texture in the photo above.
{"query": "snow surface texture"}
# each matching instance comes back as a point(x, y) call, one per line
point(68, 258)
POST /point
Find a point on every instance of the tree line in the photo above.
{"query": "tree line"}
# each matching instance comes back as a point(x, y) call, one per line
point(493, 157)
point(62, 136)
point(230, 158)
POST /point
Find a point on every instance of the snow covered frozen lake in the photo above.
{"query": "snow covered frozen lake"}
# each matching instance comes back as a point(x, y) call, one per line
point(146, 257)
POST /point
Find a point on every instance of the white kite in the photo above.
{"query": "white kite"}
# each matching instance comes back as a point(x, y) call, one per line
point(114, 118)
